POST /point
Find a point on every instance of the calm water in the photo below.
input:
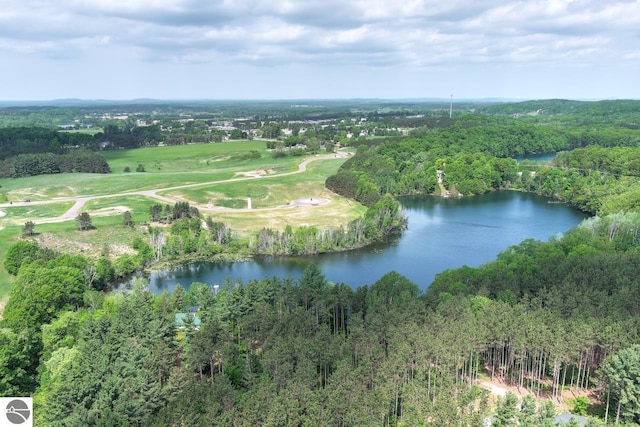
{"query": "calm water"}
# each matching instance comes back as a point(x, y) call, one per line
point(442, 234)
point(545, 157)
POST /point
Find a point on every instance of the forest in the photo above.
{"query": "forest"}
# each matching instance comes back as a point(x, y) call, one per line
point(549, 319)
point(596, 172)
point(545, 316)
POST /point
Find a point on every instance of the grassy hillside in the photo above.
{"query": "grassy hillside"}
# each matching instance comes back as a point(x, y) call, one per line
point(270, 182)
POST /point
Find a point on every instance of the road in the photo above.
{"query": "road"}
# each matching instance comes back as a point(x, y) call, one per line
point(80, 201)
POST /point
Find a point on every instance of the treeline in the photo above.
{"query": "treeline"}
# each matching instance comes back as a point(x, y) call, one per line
point(129, 135)
point(597, 180)
point(582, 286)
point(75, 160)
point(473, 152)
point(385, 218)
point(618, 161)
point(48, 283)
point(372, 172)
point(548, 317)
point(34, 140)
point(190, 236)
point(492, 135)
point(581, 113)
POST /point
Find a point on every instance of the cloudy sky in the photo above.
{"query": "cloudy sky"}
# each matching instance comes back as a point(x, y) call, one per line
point(301, 49)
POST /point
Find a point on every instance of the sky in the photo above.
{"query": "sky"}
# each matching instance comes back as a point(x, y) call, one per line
point(319, 49)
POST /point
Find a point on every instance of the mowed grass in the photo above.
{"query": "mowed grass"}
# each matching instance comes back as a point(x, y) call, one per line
point(180, 158)
point(33, 212)
point(168, 167)
point(280, 190)
point(267, 192)
point(165, 167)
point(138, 206)
point(224, 159)
point(335, 214)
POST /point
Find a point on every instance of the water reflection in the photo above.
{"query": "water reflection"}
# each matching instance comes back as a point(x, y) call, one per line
point(442, 234)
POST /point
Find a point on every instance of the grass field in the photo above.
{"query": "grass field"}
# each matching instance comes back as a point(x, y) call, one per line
point(164, 167)
point(18, 215)
point(115, 206)
point(267, 192)
point(109, 236)
point(167, 168)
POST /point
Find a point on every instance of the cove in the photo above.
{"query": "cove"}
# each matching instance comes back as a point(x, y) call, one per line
point(442, 234)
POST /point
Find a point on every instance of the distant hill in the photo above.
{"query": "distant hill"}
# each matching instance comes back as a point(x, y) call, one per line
point(564, 106)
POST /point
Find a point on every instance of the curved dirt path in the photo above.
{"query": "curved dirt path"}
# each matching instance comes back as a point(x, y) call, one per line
point(80, 201)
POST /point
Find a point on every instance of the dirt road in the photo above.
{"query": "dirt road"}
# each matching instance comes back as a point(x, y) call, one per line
point(80, 201)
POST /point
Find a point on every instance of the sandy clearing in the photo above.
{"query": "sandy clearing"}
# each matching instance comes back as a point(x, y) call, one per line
point(257, 173)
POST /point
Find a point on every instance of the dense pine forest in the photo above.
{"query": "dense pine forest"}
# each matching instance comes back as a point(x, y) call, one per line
point(545, 317)
point(548, 319)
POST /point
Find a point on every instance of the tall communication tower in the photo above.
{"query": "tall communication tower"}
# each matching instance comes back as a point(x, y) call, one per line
point(451, 107)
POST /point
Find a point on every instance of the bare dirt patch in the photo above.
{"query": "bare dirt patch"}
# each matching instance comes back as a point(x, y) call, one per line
point(257, 173)
point(117, 249)
point(498, 388)
point(27, 193)
point(58, 244)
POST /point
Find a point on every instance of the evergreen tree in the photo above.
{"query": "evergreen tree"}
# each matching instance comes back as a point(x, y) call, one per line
point(28, 229)
point(127, 220)
point(620, 373)
point(83, 221)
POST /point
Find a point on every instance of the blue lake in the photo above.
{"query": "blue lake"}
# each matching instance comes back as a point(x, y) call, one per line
point(442, 234)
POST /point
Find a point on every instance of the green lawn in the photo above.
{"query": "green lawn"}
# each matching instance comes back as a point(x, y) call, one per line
point(35, 211)
point(267, 192)
point(169, 167)
point(164, 167)
point(115, 206)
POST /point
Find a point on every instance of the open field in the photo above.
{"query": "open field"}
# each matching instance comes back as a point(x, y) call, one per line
point(268, 191)
point(109, 237)
point(137, 205)
point(164, 167)
point(216, 178)
point(18, 215)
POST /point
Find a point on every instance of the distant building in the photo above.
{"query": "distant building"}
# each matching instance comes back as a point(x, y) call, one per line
point(184, 319)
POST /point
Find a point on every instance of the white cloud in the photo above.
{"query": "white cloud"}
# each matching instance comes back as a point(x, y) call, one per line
point(416, 35)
